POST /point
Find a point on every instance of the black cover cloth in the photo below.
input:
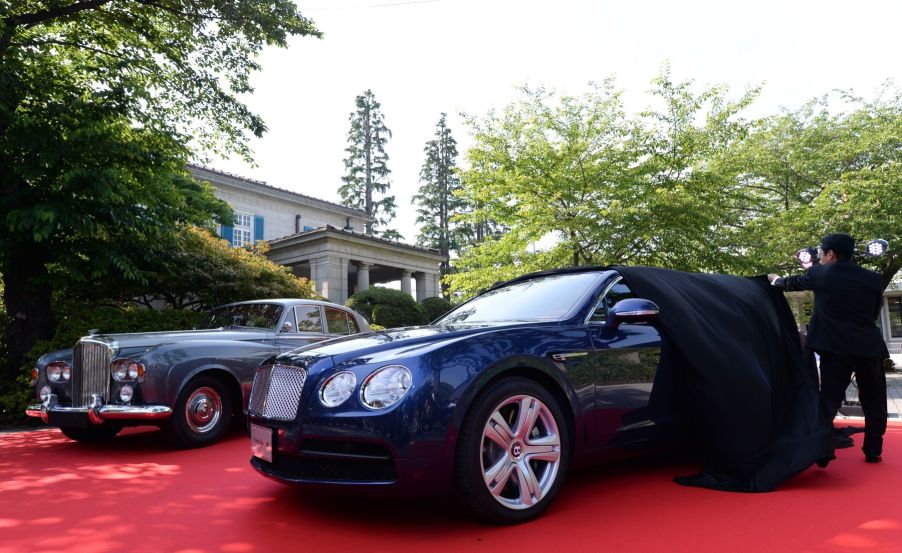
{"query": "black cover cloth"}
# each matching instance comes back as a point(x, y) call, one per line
point(750, 396)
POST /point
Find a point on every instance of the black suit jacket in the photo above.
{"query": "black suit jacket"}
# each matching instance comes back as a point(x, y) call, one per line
point(847, 302)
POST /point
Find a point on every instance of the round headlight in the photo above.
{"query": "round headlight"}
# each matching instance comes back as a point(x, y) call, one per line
point(126, 370)
point(126, 393)
point(337, 388)
point(54, 372)
point(67, 373)
point(120, 371)
point(386, 386)
point(45, 393)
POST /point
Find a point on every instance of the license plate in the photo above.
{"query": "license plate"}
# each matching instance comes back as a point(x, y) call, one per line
point(261, 442)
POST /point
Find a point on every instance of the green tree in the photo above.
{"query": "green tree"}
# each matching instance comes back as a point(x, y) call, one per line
point(99, 102)
point(438, 199)
point(575, 181)
point(367, 166)
point(822, 168)
point(200, 271)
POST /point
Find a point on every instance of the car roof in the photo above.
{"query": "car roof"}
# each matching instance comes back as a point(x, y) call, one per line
point(284, 302)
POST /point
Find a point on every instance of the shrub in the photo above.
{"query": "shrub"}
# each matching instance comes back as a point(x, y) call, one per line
point(407, 312)
point(435, 307)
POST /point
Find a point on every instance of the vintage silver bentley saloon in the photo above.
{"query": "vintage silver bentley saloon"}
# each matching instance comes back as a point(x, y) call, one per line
point(190, 383)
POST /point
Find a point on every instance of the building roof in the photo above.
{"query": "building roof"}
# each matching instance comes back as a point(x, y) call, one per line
point(204, 173)
point(329, 229)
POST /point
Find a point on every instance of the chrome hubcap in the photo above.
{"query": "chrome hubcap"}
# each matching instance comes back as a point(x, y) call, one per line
point(521, 452)
point(203, 410)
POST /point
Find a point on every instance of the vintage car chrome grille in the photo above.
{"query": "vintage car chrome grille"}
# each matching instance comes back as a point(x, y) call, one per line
point(90, 372)
point(277, 391)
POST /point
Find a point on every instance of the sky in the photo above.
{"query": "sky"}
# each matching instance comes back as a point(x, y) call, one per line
point(424, 57)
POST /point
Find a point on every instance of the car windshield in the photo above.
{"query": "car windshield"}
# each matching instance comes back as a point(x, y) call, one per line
point(550, 298)
point(248, 315)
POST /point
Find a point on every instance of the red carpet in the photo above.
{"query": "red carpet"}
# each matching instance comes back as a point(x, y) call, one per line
point(137, 495)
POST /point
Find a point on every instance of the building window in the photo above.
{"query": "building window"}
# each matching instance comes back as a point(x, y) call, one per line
point(244, 230)
point(895, 316)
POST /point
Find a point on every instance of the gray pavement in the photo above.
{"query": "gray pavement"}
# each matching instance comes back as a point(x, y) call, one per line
point(852, 410)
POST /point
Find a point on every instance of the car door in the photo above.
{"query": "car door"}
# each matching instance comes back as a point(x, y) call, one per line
point(306, 327)
point(626, 361)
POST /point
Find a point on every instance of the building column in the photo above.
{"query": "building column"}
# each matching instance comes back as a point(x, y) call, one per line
point(405, 282)
point(436, 285)
point(330, 274)
point(363, 276)
point(421, 285)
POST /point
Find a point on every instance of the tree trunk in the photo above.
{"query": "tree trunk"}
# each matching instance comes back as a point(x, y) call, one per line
point(888, 271)
point(26, 296)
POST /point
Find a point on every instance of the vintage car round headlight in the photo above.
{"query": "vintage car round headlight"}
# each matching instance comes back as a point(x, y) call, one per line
point(337, 388)
point(386, 386)
point(45, 393)
point(126, 370)
point(126, 393)
point(57, 372)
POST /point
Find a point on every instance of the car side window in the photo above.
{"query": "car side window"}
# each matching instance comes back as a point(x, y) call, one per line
point(290, 318)
point(619, 291)
point(308, 318)
point(355, 328)
point(336, 321)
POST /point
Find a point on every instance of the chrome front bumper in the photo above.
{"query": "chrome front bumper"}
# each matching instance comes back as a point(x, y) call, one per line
point(97, 412)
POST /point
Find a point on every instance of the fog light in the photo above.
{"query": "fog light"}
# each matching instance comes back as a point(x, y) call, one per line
point(45, 393)
point(126, 393)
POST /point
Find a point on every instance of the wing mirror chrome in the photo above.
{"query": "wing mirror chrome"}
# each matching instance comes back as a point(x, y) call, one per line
point(287, 327)
point(632, 311)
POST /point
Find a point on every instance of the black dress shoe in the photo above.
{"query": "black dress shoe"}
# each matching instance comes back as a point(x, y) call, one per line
point(872, 458)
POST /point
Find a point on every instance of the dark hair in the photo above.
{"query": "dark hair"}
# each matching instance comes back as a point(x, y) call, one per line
point(840, 243)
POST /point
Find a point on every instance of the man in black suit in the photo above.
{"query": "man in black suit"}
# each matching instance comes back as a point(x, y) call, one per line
point(843, 331)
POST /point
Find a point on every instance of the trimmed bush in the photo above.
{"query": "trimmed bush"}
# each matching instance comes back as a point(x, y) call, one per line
point(406, 312)
point(435, 307)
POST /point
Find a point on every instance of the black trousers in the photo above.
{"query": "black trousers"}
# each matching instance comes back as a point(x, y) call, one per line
point(836, 373)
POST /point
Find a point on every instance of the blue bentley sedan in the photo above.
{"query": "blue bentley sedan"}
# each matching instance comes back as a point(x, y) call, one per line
point(494, 401)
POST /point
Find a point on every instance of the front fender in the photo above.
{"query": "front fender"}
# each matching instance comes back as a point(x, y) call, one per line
point(169, 367)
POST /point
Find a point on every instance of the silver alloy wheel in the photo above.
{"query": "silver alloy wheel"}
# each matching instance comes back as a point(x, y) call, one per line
point(521, 452)
point(203, 409)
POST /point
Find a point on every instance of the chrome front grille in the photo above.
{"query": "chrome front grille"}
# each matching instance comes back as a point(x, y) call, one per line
point(90, 372)
point(276, 392)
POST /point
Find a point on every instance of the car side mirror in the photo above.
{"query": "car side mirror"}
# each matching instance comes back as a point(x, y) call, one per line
point(632, 311)
point(287, 327)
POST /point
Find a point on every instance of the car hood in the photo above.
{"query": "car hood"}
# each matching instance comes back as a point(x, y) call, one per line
point(409, 340)
point(147, 339)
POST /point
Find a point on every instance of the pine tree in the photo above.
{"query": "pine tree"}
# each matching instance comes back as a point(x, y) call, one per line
point(367, 167)
point(436, 201)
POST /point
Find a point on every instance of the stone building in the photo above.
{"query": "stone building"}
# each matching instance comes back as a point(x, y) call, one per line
point(321, 240)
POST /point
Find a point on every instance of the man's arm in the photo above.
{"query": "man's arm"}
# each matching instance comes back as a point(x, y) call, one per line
point(792, 283)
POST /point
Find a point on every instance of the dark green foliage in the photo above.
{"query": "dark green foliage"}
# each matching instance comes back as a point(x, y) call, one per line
point(438, 200)
point(405, 310)
point(99, 101)
point(202, 271)
point(435, 307)
point(367, 167)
